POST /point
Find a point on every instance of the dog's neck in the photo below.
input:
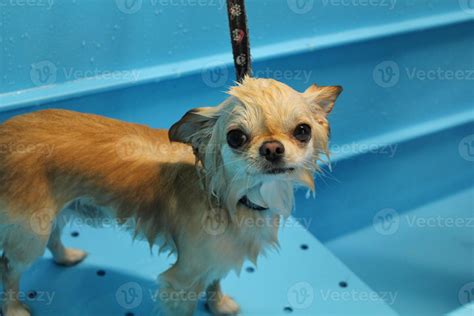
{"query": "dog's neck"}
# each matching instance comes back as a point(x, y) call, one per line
point(256, 192)
point(276, 195)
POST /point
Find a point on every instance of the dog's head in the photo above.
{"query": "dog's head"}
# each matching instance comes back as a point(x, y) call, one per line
point(262, 140)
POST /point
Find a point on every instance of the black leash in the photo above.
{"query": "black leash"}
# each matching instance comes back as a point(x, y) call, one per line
point(239, 34)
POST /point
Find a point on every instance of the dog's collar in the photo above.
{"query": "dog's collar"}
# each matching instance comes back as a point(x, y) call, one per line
point(245, 201)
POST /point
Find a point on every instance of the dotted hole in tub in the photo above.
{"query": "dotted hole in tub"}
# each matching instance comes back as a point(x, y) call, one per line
point(250, 269)
point(304, 247)
point(101, 273)
point(75, 234)
point(288, 309)
point(32, 294)
point(129, 314)
point(343, 284)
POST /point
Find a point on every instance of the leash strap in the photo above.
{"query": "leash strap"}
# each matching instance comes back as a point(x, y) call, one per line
point(239, 35)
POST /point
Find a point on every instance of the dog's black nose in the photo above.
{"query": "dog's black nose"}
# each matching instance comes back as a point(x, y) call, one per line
point(273, 151)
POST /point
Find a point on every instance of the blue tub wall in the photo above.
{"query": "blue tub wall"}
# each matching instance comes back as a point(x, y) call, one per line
point(408, 102)
point(95, 36)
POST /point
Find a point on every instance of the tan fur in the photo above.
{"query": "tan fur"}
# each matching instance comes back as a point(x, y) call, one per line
point(55, 159)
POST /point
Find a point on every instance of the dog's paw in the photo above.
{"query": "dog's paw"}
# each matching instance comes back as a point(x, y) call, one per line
point(226, 306)
point(71, 257)
point(15, 309)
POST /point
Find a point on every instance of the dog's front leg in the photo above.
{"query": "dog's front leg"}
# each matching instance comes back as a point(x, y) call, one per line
point(62, 255)
point(179, 291)
point(220, 304)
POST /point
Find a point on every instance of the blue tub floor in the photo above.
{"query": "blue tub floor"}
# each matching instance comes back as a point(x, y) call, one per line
point(118, 279)
point(426, 260)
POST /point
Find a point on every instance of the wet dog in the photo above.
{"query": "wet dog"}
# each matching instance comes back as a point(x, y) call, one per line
point(187, 190)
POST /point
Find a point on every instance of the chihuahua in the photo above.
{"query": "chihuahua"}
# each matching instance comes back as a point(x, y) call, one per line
point(192, 191)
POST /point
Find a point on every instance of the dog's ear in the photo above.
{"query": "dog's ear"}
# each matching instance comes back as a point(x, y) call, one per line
point(323, 97)
point(194, 125)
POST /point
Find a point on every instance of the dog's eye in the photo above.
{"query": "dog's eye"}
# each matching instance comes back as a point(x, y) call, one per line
point(236, 138)
point(302, 133)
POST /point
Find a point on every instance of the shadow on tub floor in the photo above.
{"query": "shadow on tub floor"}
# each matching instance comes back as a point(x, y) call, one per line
point(49, 289)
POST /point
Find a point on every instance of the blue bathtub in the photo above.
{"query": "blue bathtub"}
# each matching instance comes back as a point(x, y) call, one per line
point(391, 229)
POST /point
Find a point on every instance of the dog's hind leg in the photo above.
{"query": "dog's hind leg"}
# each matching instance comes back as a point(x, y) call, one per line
point(22, 246)
point(62, 255)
